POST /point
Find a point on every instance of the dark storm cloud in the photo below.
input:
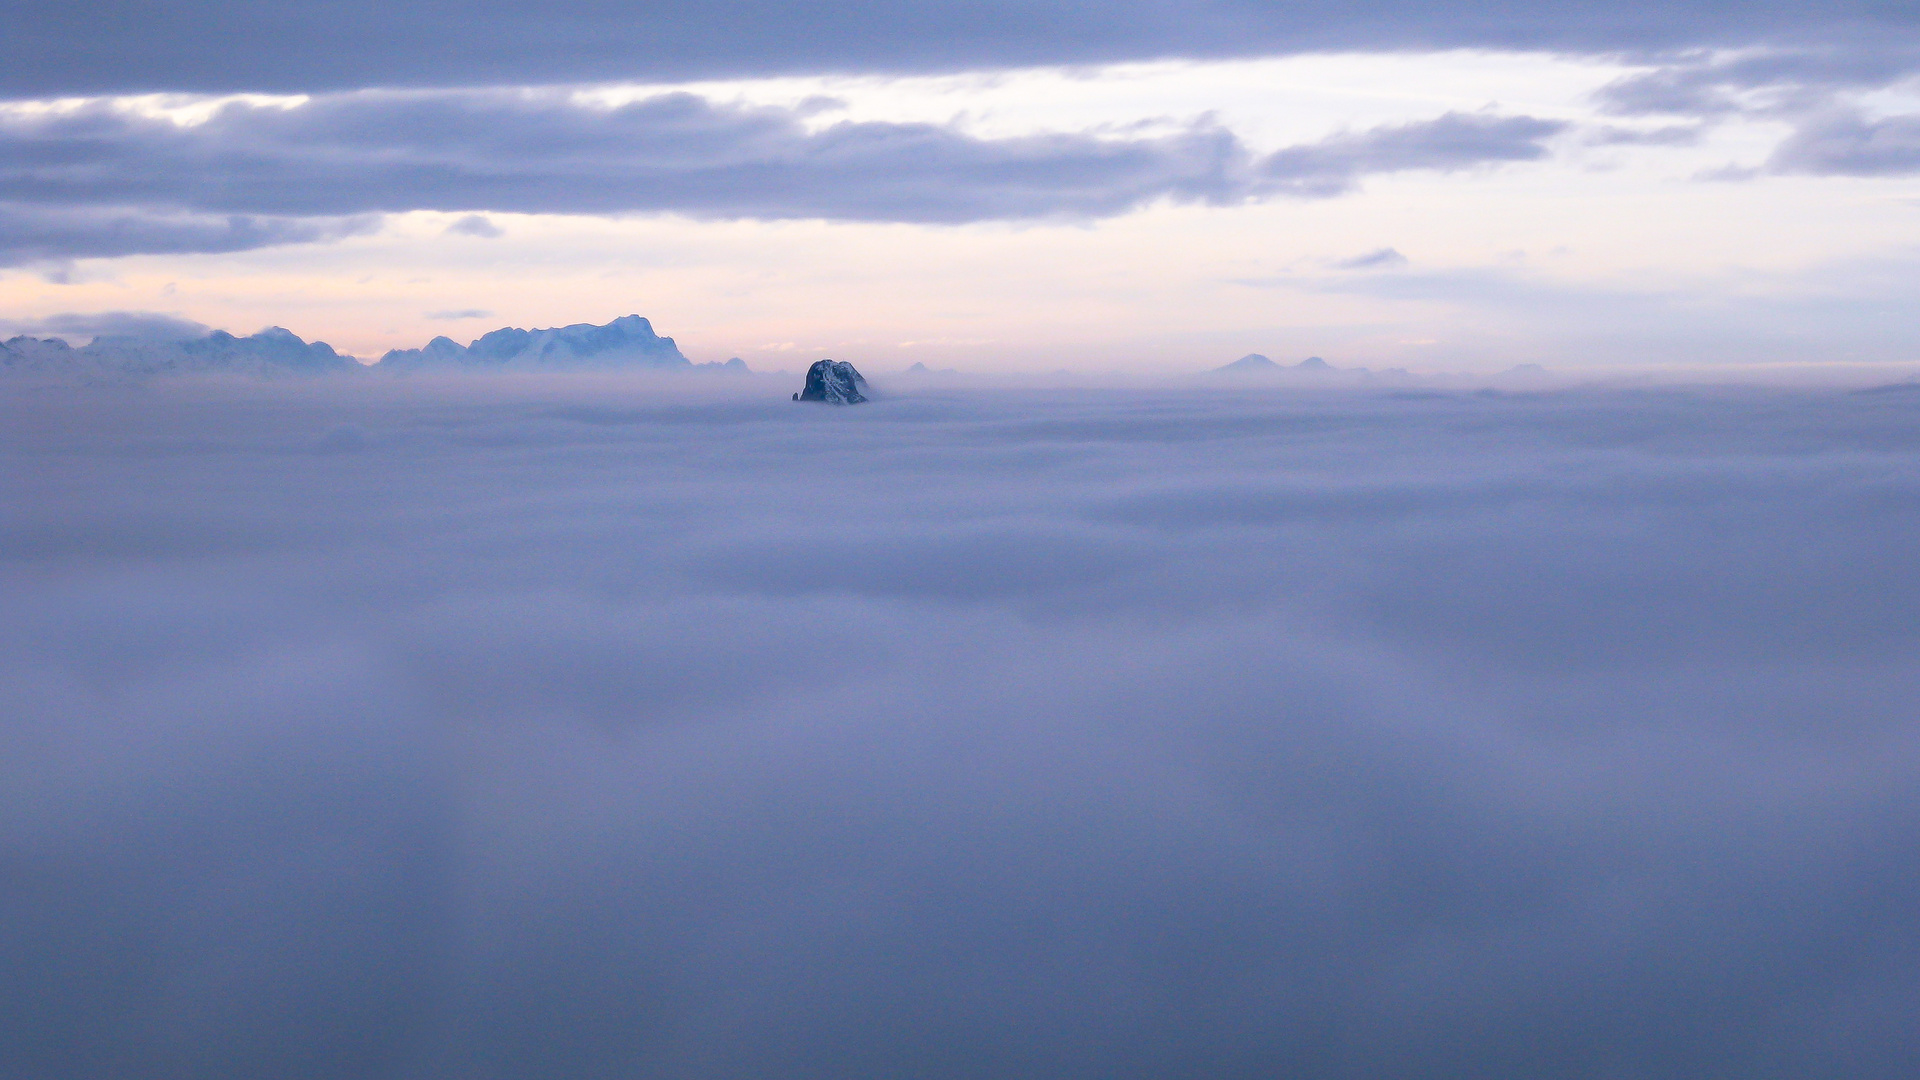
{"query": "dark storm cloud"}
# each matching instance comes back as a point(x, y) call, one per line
point(32, 233)
point(605, 728)
point(544, 153)
point(61, 49)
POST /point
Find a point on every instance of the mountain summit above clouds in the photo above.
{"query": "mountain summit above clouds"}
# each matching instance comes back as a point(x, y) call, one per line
point(1256, 364)
point(1249, 363)
point(626, 342)
point(173, 347)
point(274, 350)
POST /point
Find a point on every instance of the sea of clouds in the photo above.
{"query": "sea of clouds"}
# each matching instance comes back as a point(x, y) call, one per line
point(593, 727)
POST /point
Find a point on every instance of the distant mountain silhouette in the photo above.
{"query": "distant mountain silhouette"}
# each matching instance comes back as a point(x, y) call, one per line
point(626, 342)
point(274, 350)
point(1248, 364)
point(1256, 364)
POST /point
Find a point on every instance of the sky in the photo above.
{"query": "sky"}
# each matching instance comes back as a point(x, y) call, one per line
point(1133, 187)
point(589, 727)
point(1120, 724)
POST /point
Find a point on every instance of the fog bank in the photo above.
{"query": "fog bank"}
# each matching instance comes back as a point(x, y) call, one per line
point(590, 728)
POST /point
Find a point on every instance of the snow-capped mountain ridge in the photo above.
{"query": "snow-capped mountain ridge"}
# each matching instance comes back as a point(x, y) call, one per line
point(628, 341)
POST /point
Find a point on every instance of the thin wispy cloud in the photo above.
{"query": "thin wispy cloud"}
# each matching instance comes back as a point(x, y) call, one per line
point(1379, 259)
point(32, 232)
point(1846, 143)
point(141, 324)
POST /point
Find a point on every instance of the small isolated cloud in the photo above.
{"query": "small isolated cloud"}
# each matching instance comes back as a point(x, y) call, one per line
point(463, 313)
point(1373, 260)
point(476, 225)
point(132, 324)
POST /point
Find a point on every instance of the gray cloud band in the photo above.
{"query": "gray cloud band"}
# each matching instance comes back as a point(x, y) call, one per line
point(34, 234)
point(59, 48)
point(68, 178)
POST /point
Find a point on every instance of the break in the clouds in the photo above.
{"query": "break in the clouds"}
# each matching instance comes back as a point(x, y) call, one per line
point(336, 158)
point(618, 728)
point(63, 49)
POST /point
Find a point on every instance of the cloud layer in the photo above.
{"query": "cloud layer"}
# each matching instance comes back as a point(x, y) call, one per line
point(282, 174)
point(226, 45)
point(36, 233)
point(1814, 89)
point(598, 729)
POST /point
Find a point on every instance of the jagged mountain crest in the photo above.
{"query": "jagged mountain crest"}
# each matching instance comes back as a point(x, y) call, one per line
point(274, 350)
point(835, 382)
point(627, 341)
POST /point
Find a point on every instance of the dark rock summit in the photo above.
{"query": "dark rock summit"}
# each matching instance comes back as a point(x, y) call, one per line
point(834, 382)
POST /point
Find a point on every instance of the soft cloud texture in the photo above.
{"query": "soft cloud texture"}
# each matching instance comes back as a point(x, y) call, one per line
point(1849, 144)
point(360, 154)
point(1373, 260)
point(599, 728)
point(1453, 141)
point(476, 225)
point(223, 45)
point(140, 324)
point(1816, 90)
point(34, 232)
